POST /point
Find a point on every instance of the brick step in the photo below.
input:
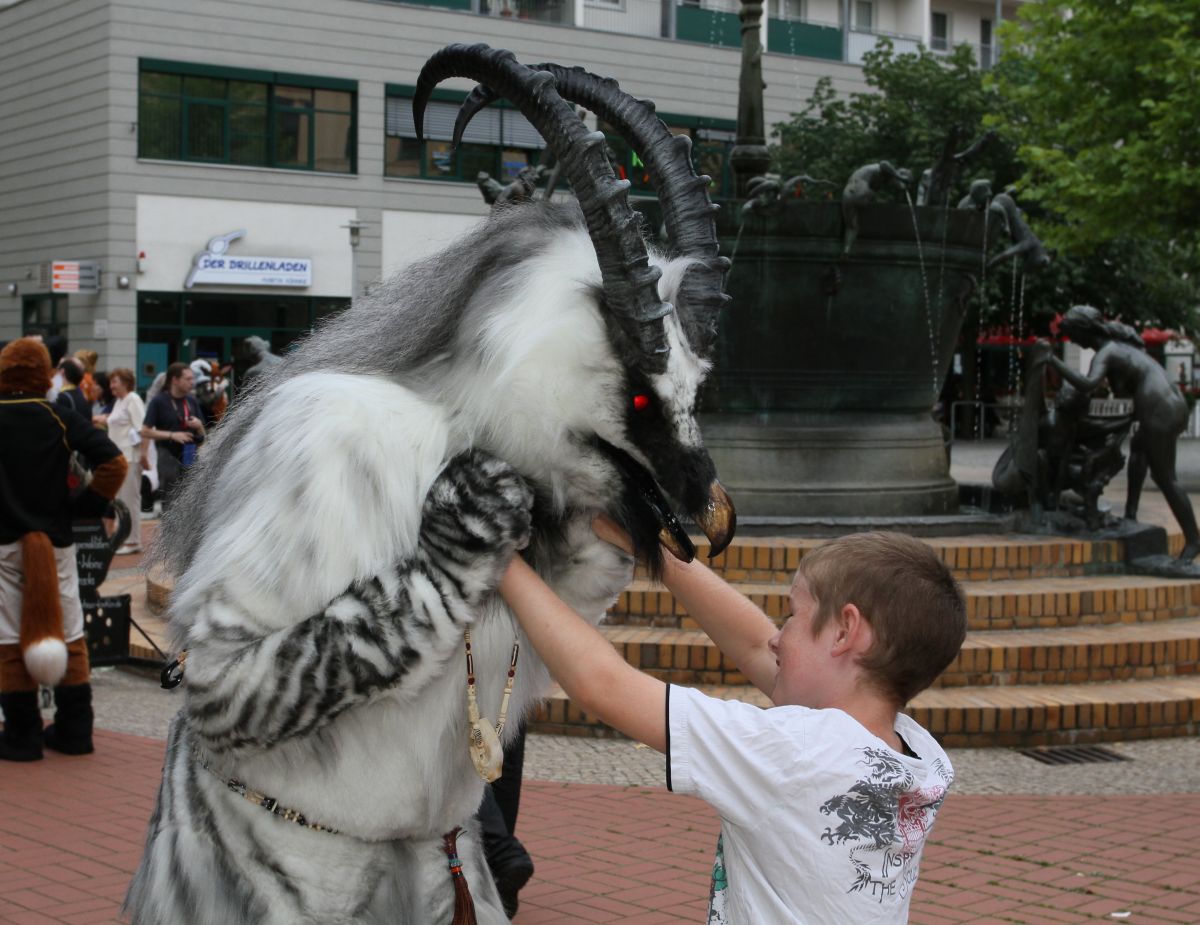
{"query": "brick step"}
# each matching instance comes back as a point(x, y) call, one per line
point(978, 558)
point(1000, 657)
point(983, 717)
point(1032, 603)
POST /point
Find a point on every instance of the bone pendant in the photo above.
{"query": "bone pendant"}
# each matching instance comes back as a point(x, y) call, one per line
point(486, 752)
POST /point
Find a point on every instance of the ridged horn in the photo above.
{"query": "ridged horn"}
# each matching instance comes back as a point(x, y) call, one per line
point(630, 283)
point(688, 213)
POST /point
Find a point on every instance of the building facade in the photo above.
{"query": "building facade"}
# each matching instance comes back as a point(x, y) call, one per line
point(176, 177)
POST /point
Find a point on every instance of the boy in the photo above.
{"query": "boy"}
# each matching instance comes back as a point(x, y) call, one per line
point(826, 798)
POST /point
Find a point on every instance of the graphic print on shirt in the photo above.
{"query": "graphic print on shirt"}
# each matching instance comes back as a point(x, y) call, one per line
point(718, 890)
point(884, 819)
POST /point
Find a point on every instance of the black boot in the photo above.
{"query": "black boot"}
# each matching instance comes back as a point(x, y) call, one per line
point(71, 731)
point(510, 863)
point(22, 738)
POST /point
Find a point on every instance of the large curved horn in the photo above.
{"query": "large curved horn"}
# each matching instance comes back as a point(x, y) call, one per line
point(630, 283)
point(687, 209)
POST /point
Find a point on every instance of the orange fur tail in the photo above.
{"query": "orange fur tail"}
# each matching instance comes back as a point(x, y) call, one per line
point(42, 644)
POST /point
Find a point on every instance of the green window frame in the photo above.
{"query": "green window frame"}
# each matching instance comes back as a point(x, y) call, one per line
point(217, 115)
point(499, 141)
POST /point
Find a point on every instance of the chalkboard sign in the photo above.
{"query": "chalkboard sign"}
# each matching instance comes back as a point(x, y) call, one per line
point(93, 554)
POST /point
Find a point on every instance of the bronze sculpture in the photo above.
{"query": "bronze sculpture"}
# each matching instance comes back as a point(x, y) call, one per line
point(1159, 410)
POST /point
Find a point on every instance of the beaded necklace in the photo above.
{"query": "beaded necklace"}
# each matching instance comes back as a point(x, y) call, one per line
point(486, 752)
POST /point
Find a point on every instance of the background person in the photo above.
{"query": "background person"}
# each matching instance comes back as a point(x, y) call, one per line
point(70, 395)
point(173, 421)
point(124, 425)
point(89, 386)
point(826, 798)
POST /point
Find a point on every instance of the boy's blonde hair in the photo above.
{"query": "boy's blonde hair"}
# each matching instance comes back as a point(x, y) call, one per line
point(906, 593)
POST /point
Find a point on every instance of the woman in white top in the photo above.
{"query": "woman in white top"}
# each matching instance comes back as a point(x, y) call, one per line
point(124, 424)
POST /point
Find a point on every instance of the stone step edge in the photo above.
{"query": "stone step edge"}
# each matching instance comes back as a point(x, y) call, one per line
point(1099, 693)
point(1146, 633)
point(992, 587)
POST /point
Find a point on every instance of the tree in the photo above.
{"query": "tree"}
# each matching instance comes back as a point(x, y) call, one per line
point(918, 99)
point(1100, 101)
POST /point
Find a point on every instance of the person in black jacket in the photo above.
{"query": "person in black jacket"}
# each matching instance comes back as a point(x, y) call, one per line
point(71, 396)
point(41, 618)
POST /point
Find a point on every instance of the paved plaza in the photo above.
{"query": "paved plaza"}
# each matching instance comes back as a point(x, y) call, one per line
point(1016, 842)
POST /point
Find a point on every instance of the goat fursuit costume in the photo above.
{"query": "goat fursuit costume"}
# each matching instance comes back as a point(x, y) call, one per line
point(41, 619)
point(351, 518)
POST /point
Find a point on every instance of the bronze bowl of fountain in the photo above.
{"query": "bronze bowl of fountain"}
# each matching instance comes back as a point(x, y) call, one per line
point(829, 363)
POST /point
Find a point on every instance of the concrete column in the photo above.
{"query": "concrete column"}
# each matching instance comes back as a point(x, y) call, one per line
point(999, 18)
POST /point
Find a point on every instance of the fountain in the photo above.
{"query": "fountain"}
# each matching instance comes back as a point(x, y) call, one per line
point(835, 349)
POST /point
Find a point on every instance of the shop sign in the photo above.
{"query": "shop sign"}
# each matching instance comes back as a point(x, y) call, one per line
point(74, 276)
point(216, 266)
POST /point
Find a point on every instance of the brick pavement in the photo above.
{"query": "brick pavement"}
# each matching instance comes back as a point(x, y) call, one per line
point(71, 833)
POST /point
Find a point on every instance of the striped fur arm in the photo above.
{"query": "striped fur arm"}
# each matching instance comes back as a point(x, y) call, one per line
point(394, 630)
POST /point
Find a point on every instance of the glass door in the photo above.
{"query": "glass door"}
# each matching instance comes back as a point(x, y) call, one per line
point(223, 347)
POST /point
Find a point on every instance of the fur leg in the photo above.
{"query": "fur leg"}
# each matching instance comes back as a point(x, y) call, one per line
point(14, 676)
point(71, 731)
point(22, 738)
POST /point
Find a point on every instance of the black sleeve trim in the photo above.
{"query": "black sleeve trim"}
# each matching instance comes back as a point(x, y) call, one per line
point(667, 720)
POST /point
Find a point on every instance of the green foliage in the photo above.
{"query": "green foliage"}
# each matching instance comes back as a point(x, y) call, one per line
point(1101, 101)
point(1122, 217)
point(918, 99)
point(1135, 279)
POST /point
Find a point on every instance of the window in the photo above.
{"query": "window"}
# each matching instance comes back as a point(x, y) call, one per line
point(985, 43)
point(190, 112)
point(864, 16)
point(44, 314)
point(499, 141)
point(940, 32)
point(711, 144)
point(787, 9)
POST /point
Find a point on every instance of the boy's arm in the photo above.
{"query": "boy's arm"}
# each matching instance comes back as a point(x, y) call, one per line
point(738, 627)
point(587, 666)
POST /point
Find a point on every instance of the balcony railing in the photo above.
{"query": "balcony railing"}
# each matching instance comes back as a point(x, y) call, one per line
point(713, 22)
point(559, 12)
point(862, 41)
point(629, 17)
point(983, 53)
point(708, 22)
point(809, 39)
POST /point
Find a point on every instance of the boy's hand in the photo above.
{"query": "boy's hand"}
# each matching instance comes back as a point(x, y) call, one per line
point(610, 531)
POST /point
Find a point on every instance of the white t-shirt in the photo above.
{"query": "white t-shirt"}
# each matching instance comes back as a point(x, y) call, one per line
point(821, 821)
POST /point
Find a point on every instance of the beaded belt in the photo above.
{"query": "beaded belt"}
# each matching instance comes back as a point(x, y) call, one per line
point(464, 905)
point(270, 804)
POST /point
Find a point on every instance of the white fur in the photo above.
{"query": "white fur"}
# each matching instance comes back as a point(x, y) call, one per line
point(529, 377)
point(297, 519)
point(46, 660)
point(539, 368)
point(678, 387)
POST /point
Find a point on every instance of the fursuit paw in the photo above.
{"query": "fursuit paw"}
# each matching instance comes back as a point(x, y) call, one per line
point(476, 516)
point(592, 573)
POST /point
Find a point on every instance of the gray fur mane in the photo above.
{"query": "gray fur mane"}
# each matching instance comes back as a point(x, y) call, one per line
point(402, 327)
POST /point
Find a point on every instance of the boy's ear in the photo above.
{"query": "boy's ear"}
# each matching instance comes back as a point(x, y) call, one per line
point(852, 632)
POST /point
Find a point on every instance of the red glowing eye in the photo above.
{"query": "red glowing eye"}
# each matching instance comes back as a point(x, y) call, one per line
point(641, 402)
